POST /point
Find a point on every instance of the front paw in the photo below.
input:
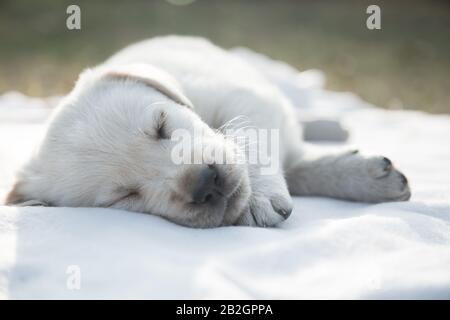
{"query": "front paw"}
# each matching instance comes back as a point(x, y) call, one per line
point(266, 210)
point(373, 179)
point(270, 202)
point(388, 183)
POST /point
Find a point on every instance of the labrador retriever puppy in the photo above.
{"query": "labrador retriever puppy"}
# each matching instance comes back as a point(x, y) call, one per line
point(110, 143)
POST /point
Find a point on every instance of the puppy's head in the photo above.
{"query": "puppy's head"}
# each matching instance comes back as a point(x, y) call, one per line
point(109, 145)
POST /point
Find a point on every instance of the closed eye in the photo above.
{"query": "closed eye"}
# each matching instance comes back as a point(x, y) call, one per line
point(160, 128)
point(128, 195)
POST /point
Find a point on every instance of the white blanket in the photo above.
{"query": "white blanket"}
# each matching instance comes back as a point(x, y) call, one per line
point(326, 249)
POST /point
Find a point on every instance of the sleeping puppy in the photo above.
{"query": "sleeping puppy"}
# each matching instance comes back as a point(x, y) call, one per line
point(110, 143)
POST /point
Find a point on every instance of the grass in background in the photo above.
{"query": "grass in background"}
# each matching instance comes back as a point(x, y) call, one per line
point(404, 65)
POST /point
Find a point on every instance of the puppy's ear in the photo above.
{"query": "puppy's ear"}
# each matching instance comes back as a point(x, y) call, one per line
point(17, 198)
point(14, 195)
point(152, 77)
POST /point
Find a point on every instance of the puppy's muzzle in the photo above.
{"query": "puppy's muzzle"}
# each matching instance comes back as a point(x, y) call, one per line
point(208, 187)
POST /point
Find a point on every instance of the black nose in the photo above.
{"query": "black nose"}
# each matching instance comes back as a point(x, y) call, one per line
point(206, 188)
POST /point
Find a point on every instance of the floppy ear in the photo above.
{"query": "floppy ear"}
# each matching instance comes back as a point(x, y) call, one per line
point(14, 196)
point(17, 198)
point(152, 77)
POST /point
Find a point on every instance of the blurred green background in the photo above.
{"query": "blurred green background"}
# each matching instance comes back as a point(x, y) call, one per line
point(406, 64)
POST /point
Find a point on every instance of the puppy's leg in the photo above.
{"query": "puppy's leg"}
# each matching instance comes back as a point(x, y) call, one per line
point(324, 130)
point(348, 176)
